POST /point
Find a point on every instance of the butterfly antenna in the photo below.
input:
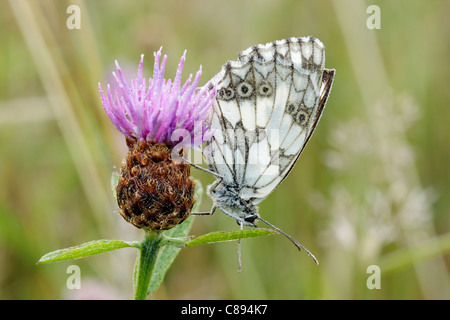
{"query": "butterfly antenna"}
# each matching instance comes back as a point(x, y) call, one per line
point(295, 242)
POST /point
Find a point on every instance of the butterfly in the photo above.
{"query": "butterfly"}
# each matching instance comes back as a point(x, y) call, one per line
point(267, 106)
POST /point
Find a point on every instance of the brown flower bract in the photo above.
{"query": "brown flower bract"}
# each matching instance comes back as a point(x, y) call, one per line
point(153, 192)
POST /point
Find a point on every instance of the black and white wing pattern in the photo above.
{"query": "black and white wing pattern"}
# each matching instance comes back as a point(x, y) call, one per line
point(268, 105)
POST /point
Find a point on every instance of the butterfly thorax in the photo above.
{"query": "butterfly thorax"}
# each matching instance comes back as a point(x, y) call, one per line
point(229, 199)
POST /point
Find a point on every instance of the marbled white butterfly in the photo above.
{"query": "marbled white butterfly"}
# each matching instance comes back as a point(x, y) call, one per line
point(268, 104)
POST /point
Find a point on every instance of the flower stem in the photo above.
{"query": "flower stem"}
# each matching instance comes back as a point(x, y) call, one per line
point(149, 252)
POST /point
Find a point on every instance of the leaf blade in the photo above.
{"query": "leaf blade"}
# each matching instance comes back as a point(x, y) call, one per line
point(86, 249)
point(224, 236)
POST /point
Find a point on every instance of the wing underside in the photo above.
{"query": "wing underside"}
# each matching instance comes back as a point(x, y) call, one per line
point(268, 105)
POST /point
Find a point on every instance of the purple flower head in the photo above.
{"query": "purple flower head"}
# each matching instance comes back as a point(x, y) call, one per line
point(164, 111)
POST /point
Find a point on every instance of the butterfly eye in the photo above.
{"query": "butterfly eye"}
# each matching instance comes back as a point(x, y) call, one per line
point(244, 89)
point(265, 89)
point(226, 93)
point(250, 218)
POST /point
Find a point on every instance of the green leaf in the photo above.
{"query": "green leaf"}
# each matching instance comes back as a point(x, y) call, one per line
point(87, 249)
point(229, 236)
point(177, 242)
point(168, 253)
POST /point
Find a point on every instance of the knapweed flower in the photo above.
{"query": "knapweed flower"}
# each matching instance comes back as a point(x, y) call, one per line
point(158, 119)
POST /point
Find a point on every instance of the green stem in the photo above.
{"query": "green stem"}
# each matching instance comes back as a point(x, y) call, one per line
point(149, 252)
point(406, 257)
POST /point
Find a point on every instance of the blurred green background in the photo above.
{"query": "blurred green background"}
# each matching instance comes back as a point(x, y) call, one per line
point(370, 189)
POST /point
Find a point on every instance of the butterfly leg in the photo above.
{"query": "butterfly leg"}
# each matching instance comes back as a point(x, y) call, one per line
point(202, 169)
point(214, 207)
point(239, 250)
point(213, 186)
point(210, 213)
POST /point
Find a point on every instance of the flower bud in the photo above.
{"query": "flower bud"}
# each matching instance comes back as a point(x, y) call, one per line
point(153, 192)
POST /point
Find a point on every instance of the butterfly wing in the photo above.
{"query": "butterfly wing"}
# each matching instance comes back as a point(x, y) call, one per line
point(267, 107)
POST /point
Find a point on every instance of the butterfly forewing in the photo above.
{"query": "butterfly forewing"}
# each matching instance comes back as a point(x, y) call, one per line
point(267, 107)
